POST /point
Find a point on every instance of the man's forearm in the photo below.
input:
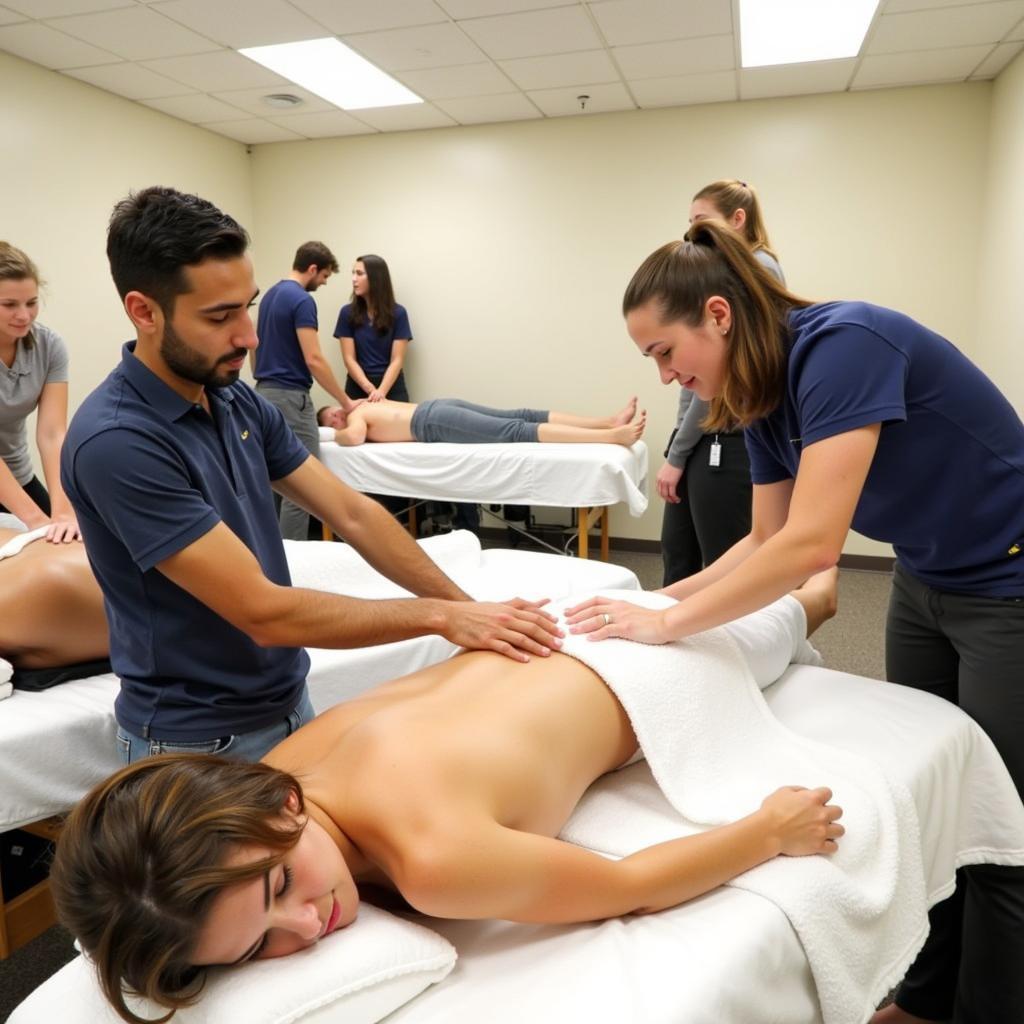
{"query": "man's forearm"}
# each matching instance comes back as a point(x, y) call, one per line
point(324, 376)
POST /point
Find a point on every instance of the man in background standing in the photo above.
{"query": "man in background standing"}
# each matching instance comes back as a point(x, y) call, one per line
point(289, 359)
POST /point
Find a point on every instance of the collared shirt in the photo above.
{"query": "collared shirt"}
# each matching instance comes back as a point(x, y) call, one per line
point(373, 347)
point(285, 308)
point(149, 473)
point(43, 362)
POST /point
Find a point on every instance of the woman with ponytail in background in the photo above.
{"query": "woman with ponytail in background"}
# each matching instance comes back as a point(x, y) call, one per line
point(856, 415)
point(705, 480)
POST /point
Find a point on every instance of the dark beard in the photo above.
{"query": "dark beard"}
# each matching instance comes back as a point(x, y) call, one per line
point(188, 364)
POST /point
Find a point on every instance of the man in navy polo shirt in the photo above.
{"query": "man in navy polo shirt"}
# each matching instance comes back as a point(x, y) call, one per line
point(170, 465)
point(289, 358)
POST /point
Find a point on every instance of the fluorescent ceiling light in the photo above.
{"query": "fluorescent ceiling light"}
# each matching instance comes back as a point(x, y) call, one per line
point(795, 31)
point(334, 72)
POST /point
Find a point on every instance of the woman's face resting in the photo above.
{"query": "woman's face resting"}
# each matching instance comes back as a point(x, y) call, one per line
point(293, 905)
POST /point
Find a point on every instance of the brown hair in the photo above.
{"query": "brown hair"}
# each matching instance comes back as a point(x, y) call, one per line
point(381, 298)
point(712, 260)
point(142, 857)
point(15, 265)
point(729, 195)
point(314, 254)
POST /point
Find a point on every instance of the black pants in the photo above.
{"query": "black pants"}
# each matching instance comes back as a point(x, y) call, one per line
point(398, 392)
point(37, 492)
point(968, 650)
point(714, 512)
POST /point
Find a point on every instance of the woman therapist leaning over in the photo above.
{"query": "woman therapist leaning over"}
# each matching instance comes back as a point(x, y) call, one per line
point(33, 378)
point(858, 416)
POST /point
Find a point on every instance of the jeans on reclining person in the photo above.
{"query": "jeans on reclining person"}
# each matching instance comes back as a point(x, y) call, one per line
point(455, 421)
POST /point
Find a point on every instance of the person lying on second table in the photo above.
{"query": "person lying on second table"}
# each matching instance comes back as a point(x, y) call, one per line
point(458, 422)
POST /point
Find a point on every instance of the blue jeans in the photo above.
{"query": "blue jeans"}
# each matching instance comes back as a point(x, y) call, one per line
point(245, 746)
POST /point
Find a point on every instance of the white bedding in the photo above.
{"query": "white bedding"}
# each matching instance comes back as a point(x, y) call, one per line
point(730, 957)
point(561, 475)
point(57, 743)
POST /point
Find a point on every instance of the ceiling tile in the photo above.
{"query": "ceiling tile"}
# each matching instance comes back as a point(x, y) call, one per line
point(682, 90)
point(131, 80)
point(240, 23)
point(8, 17)
point(945, 27)
point(463, 80)
point(407, 49)
point(949, 65)
point(600, 99)
point(532, 33)
point(44, 45)
point(410, 117)
point(216, 72)
point(625, 22)
point(343, 18)
point(195, 107)
point(901, 6)
point(563, 69)
point(323, 124)
point(485, 8)
point(253, 131)
point(134, 34)
point(490, 109)
point(796, 79)
point(1000, 56)
point(682, 57)
point(1015, 33)
point(57, 8)
point(252, 100)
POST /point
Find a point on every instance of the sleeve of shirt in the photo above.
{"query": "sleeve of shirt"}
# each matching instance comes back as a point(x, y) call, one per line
point(343, 329)
point(765, 466)
point(138, 489)
point(689, 430)
point(848, 378)
point(402, 329)
point(56, 358)
point(283, 451)
point(305, 313)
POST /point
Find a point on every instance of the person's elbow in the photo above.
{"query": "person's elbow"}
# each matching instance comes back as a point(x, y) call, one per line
point(815, 550)
point(263, 614)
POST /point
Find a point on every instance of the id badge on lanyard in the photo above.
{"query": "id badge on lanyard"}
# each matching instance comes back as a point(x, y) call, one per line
point(715, 454)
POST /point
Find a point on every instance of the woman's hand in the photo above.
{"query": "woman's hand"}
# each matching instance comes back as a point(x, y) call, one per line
point(63, 529)
point(803, 820)
point(601, 618)
point(376, 395)
point(668, 480)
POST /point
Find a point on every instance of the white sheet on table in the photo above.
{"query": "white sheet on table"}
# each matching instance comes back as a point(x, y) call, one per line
point(562, 475)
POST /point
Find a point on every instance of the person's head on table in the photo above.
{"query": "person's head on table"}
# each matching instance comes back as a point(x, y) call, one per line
point(181, 268)
point(313, 265)
point(332, 416)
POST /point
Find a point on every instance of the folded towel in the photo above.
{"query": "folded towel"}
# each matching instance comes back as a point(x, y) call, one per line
point(6, 671)
point(716, 751)
point(326, 434)
point(15, 544)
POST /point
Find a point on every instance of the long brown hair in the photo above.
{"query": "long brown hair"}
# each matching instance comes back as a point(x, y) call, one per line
point(713, 259)
point(143, 855)
point(729, 195)
point(381, 298)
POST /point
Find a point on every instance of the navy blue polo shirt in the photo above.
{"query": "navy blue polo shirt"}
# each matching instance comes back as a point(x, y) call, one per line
point(149, 473)
point(285, 308)
point(946, 485)
point(373, 347)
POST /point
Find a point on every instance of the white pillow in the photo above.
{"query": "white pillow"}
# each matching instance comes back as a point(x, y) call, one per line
point(355, 976)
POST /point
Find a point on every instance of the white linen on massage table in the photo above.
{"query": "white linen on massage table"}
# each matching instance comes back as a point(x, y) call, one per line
point(57, 743)
point(561, 475)
point(729, 957)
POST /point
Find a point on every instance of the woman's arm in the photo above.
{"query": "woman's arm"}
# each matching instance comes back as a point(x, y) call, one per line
point(17, 502)
point(352, 367)
point(758, 569)
point(398, 349)
point(51, 426)
point(481, 870)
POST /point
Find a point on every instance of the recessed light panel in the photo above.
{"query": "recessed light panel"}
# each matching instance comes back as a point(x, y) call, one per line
point(796, 31)
point(334, 72)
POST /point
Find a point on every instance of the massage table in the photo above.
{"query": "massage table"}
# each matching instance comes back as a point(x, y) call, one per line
point(57, 743)
point(589, 478)
point(728, 957)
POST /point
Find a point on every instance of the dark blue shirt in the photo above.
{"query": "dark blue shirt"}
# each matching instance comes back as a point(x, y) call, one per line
point(285, 308)
point(946, 485)
point(148, 473)
point(373, 347)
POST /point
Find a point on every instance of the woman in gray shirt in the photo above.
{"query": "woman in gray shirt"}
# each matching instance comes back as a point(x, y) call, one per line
point(33, 378)
point(705, 480)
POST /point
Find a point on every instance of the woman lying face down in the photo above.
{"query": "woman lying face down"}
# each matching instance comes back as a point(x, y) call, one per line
point(447, 785)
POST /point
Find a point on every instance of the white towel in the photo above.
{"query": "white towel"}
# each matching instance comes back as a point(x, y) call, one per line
point(6, 671)
point(22, 540)
point(716, 751)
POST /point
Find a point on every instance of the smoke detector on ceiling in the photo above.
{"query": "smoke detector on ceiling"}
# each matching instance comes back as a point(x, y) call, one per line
point(282, 100)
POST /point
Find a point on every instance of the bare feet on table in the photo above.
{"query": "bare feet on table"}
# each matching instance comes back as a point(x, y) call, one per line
point(625, 414)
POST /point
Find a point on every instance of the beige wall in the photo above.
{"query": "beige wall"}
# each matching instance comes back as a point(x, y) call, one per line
point(999, 303)
point(71, 151)
point(511, 244)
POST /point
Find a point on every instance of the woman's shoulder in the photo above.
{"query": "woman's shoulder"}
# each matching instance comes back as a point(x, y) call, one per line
point(47, 337)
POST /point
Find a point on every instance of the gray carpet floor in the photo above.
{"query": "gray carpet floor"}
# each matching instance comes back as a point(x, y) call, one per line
point(852, 642)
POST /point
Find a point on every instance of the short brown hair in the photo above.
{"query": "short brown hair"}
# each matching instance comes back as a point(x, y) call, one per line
point(715, 260)
point(314, 254)
point(142, 857)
